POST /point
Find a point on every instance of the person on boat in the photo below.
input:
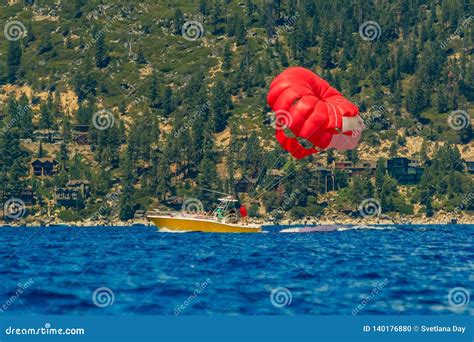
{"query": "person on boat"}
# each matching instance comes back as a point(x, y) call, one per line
point(219, 213)
point(243, 213)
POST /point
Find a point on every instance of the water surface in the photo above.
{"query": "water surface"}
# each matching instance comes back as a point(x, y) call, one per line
point(392, 270)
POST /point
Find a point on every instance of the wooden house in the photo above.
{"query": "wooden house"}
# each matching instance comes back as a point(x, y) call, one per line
point(44, 167)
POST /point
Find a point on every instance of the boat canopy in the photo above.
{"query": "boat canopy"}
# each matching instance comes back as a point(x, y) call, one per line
point(227, 199)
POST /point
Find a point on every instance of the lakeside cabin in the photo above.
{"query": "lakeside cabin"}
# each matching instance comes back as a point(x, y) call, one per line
point(48, 136)
point(404, 170)
point(72, 192)
point(44, 167)
point(358, 169)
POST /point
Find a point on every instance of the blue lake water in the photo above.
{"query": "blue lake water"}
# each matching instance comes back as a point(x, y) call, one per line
point(136, 270)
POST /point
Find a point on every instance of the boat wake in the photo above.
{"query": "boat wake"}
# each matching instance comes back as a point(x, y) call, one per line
point(312, 229)
point(332, 228)
point(172, 231)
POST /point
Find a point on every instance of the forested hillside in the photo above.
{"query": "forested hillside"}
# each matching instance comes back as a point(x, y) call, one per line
point(109, 108)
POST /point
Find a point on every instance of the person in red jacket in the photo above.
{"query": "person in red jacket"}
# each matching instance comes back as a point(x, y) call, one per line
point(243, 213)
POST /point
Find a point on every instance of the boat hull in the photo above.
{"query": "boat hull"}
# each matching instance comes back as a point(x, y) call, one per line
point(201, 225)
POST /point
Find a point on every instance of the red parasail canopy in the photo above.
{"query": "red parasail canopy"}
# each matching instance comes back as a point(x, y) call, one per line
point(313, 110)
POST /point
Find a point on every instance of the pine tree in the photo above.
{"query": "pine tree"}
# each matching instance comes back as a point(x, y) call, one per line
point(353, 156)
point(283, 59)
point(129, 176)
point(429, 207)
point(442, 101)
point(41, 153)
point(204, 7)
point(85, 80)
point(30, 37)
point(154, 94)
point(216, 13)
point(46, 121)
point(25, 114)
point(240, 31)
point(178, 21)
point(84, 113)
point(163, 186)
point(380, 173)
point(207, 179)
point(393, 149)
point(227, 57)
point(13, 61)
point(219, 105)
point(141, 59)
point(63, 155)
point(45, 44)
point(466, 134)
point(168, 103)
point(330, 156)
point(326, 49)
point(13, 161)
point(388, 193)
point(101, 57)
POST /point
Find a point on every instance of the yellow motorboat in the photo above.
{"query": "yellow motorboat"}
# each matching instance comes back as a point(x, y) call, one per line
point(215, 222)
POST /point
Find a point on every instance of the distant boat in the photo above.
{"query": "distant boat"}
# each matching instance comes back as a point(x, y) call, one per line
point(216, 222)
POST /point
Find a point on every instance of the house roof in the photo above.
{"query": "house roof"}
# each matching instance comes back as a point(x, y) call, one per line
point(363, 164)
point(45, 131)
point(44, 161)
point(66, 189)
point(77, 182)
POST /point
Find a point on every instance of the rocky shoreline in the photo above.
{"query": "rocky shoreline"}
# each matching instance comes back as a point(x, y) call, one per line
point(439, 218)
